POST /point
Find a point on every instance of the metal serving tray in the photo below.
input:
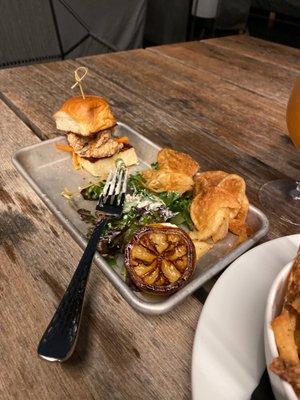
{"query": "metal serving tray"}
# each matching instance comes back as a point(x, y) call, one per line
point(49, 171)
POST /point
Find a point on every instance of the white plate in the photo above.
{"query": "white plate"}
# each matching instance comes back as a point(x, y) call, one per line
point(228, 353)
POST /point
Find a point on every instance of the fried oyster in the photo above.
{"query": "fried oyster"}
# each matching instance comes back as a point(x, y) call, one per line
point(99, 146)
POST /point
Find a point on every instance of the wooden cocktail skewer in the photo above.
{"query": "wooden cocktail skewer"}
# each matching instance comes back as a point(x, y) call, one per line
point(79, 78)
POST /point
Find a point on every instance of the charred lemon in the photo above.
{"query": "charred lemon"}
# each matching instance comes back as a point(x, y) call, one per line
point(160, 258)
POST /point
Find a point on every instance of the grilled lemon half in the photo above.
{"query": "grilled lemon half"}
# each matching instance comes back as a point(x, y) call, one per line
point(160, 258)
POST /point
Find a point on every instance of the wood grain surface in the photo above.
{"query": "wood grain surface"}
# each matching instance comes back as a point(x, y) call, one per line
point(272, 53)
point(238, 119)
point(205, 56)
point(120, 355)
point(223, 101)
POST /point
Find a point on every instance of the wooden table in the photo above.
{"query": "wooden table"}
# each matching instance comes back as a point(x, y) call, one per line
point(221, 100)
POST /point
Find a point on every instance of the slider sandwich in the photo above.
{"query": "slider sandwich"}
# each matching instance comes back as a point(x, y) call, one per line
point(89, 124)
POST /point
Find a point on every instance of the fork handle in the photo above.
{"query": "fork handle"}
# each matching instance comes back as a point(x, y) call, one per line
point(59, 339)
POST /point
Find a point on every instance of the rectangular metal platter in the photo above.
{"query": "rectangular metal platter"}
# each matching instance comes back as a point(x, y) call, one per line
point(49, 171)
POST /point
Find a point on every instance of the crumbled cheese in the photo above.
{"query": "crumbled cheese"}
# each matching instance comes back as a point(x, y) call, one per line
point(148, 203)
point(139, 201)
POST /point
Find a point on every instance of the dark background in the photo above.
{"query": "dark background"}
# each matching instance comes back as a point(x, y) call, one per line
point(40, 30)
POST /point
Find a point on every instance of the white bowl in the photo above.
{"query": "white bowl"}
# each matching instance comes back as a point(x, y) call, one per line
point(281, 389)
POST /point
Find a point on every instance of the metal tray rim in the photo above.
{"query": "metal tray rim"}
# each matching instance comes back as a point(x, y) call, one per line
point(136, 302)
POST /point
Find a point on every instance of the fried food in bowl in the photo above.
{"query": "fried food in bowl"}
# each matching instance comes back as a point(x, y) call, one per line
point(282, 332)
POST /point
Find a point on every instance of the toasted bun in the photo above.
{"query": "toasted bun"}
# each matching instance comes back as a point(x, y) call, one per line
point(84, 116)
point(102, 167)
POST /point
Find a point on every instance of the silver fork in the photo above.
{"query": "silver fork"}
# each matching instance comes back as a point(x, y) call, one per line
point(59, 339)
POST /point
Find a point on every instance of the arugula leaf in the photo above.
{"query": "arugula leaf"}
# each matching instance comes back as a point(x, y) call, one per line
point(93, 191)
point(174, 201)
point(179, 203)
point(175, 207)
point(136, 183)
point(111, 261)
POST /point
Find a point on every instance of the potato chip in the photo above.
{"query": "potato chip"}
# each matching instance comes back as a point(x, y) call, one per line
point(201, 248)
point(195, 235)
point(238, 225)
point(241, 216)
point(161, 180)
point(202, 185)
point(235, 185)
point(222, 231)
point(206, 180)
point(234, 218)
point(175, 161)
point(209, 212)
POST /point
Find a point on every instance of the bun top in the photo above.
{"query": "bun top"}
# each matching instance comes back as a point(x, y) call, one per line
point(84, 116)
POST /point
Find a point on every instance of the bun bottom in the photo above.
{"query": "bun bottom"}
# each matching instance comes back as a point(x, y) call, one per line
point(102, 167)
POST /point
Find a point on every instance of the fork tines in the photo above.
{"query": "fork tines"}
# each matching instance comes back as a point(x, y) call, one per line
point(114, 191)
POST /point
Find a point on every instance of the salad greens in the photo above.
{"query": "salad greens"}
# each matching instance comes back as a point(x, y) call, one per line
point(176, 202)
point(142, 207)
point(93, 191)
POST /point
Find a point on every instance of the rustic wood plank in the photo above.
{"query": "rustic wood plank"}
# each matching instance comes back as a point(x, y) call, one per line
point(49, 84)
point(244, 120)
point(274, 82)
point(120, 354)
point(273, 53)
point(148, 119)
point(13, 90)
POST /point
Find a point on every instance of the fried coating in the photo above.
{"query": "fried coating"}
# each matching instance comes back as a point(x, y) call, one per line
point(175, 161)
point(286, 331)
point(293, 288)
point(100, 145)
point(288, 371)
point(160, 180)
